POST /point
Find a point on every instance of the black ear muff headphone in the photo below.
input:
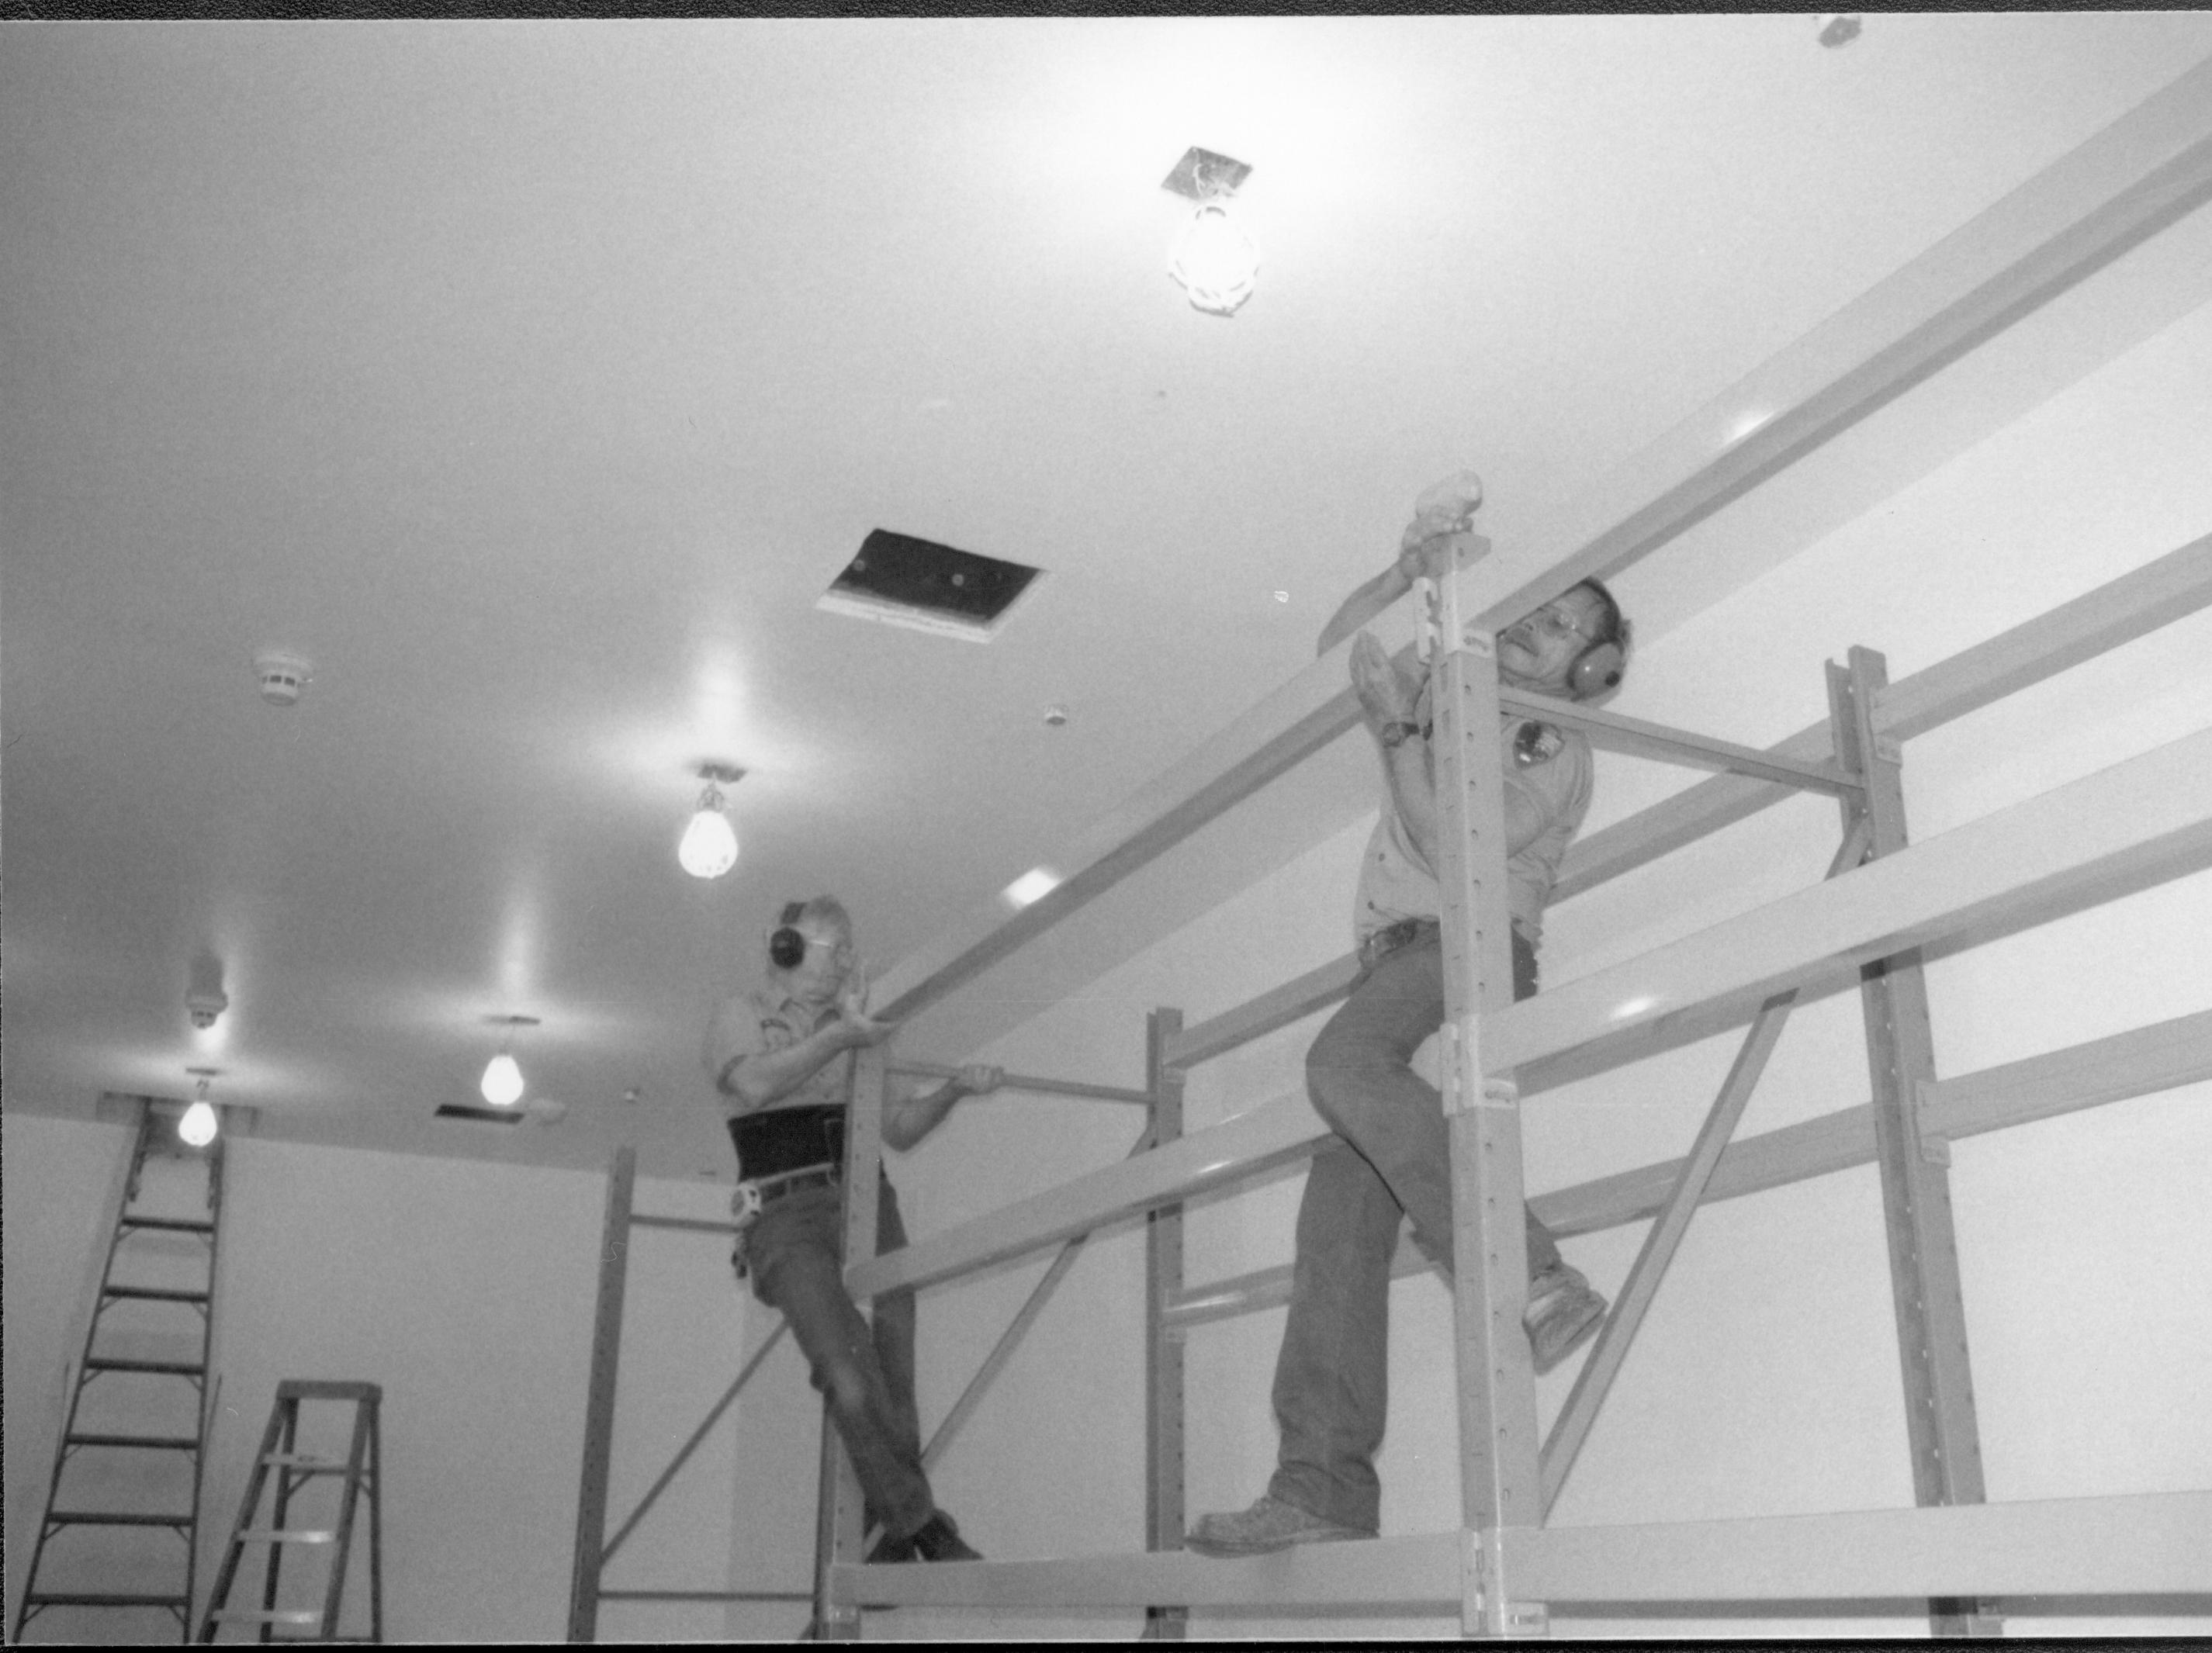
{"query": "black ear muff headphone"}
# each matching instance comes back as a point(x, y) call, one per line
point(1599, 668)
point(786, 946)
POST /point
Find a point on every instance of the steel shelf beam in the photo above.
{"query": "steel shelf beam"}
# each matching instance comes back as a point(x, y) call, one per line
point(2142, 1544)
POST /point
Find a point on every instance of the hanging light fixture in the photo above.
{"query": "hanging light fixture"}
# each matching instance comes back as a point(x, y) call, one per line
point(709, 847)
point(502, 1076)
point(1215, 262)
point(198, 1126)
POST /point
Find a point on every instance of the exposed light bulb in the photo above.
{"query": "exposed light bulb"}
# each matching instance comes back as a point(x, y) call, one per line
point(197, 1127)
point(1215, 260)
point(502, 1081)
point(710, 843)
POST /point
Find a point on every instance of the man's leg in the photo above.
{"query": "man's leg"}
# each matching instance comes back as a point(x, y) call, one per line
point(1332, 1377)
point(894, 1320)
point(794, 1251)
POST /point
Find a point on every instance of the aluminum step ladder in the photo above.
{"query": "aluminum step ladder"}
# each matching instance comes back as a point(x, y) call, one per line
point(357, 1476)
point(136, 1432)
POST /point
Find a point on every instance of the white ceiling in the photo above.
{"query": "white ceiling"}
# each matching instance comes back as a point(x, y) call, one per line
point(533, 379)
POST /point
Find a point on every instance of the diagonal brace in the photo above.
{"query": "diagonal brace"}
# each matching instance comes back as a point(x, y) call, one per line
point(690, 1446)
point(1572, 1426)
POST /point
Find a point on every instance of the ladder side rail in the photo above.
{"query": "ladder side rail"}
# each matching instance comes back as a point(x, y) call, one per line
point(1165, 1516)
point(27, 1609)
point(289, 1475)
point(1942, 1429)
point(599, 1403)
point(1499, 1444)
point(211, 1384)
point(375, 1524)
point(365, 1411)
point(226, 1573)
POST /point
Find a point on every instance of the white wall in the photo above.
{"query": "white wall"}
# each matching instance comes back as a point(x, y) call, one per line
point(1766, 1380)
point(466, 1290)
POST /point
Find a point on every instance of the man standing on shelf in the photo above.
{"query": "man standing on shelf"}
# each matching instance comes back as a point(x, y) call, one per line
point(1390, 1157)
point(781, 1057)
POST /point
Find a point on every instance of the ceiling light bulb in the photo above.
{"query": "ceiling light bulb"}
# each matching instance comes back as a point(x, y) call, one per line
point(197, 1127)
point(502, 1081)
point(710, 843)
point(1215, 260)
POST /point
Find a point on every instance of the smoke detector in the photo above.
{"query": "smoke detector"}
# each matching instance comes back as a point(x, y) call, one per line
point(281, 676)
point(204, 1005)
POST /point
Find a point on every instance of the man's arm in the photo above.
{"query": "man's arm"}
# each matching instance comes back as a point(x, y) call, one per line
point(907, 1120)
point(1434, 556)
point(754, 1078)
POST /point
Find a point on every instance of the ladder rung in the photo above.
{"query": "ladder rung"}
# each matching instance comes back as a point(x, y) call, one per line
point(251, 1616)
point(116, 1518)
point(159, 1443)
point(176, 1225)
point(91, 1599)
point(156, 1293)
point(292, 1535)
point(305, 1462)
point(180, 1368)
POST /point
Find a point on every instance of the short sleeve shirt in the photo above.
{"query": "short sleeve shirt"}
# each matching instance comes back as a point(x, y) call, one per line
point(1396, 884)
point(763, 1019)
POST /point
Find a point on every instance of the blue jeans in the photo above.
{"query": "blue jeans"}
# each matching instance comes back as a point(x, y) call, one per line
point(1390, 1159)
point(794, 1251)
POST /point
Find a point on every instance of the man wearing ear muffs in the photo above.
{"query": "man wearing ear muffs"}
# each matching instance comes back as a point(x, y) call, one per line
point(781, 1057)
point(1390, 1156)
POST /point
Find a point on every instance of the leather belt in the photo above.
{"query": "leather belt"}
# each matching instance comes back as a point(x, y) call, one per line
point(1379, 945)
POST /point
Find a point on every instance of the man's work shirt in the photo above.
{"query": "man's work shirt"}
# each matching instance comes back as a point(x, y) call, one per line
point(1396, 884)
point(763, 1019)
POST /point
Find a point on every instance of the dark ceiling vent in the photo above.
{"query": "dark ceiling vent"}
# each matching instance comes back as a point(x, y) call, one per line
point(482, 1115)
point(904, 581)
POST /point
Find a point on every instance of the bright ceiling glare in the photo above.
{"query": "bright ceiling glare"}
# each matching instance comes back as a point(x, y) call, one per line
point(1031, 885)
point(710, 846)
point(1216, 263)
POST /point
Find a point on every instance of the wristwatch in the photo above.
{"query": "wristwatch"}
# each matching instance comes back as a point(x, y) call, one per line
point(1393, 734)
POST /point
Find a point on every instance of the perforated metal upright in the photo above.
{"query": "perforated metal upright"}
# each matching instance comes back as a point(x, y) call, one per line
point(1916, 1190)
point(1500, 1486)
point(1165, 1515)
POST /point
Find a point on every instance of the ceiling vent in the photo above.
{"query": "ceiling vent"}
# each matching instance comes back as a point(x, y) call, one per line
point(904, 582)
point(481, 1115)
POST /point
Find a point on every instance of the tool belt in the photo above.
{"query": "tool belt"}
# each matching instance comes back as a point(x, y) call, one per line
point(788, 1140)
point(1381, 944)
point(782, 1151)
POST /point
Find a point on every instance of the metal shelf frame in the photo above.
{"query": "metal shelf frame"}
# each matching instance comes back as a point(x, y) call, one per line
point(2142, 821)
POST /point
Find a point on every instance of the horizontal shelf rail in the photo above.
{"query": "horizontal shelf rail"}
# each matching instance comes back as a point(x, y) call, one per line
point(2139, 1062)
point(2140, 173)
point(2133, 606)
point(2141, 1544)
point(1030, 1082)
point(2145, 819)
point(2135, 822)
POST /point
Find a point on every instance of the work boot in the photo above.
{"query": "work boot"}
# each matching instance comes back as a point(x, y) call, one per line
point(1270, 1524)
point(1562, 1313)
point(936, 1539)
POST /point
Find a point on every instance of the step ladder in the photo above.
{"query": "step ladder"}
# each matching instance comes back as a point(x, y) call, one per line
point(356, 1476)
point(127, 1469)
